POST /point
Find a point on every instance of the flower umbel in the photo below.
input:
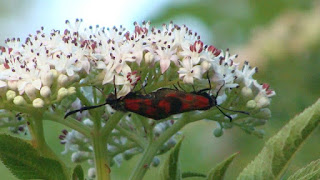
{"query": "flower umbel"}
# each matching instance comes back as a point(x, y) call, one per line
point(54, 72)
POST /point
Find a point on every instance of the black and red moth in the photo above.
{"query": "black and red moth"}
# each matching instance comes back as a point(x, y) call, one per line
point(160, 104)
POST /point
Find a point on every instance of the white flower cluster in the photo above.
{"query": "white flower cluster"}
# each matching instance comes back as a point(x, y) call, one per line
point(48, 64)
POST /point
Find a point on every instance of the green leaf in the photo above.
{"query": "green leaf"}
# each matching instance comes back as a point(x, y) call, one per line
point(219, 171)
point(279, 149)
point(170, 169)
point(192, 174)
point(78, 173)
point(25, 162)
point(310, 172)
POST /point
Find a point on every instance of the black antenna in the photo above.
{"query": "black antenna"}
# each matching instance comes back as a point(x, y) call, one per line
point(83, 109)
point(230, 118)
point(218, 106)
point(96, 106)
point(114, 84)
point(243, 112)
point(206, 89)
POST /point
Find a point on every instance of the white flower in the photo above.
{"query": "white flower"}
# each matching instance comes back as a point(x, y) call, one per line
point(165, 56)
point(245, 75)
point(128, 81)
point(187, 72)
point(224, 70)
point(195, 51)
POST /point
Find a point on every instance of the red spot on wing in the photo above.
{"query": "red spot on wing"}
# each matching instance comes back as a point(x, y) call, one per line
point(185, 107)
point(133, 104)
point(163, 104)
point(147, 102)
point(189, 97)
point(151, 112)
point(201, 102)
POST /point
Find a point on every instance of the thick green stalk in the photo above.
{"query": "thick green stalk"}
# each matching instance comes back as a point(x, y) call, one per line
point(100, 156)
point(99, 137)
point(37, 132)
point(154, 146)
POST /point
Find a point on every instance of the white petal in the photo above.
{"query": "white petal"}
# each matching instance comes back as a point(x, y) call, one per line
point(37, 84)
point(197, 71)
point(164, 65)
point(120, 80)
point(188, 79)
point(126, 69)
point(21, 86)
point(108, 77)
point(101, 65)
point(124, 91)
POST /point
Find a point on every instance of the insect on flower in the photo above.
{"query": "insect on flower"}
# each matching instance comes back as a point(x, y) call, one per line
point(162, 103)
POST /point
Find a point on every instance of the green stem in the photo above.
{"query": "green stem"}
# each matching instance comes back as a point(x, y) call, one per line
point(69, 122)
point(38, 139)
point(132, 136)
point(154, 146)
point(100, 156)
point(111, 124)
point(99, 137)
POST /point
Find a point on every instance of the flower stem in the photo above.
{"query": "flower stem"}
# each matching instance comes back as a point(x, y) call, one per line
point(38, 141)
point(154, 146)
point(100, 156)
point(69, 122)
point(99, 137)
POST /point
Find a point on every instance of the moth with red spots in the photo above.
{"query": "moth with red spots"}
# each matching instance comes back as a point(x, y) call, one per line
point(161, 104)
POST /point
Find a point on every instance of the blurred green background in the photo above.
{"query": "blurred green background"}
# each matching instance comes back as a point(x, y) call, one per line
point(281, 37)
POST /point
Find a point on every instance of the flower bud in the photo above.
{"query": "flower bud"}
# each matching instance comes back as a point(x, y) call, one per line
point(47, 78)
point(246, 92)
point(259, 132)
point(79, 156)
point(71, 90)
point(264, 113)
point(155, 162)
point(205, 66)
point(251, 104)
point(38, 103)
point(259, 122)
point(217, 132)
point(62, 92)
point(54, 73)
point(19, 100)
point(30, 90)
point(149, 57)
point(92, 173)
point(63, 80)
point(13, 85)
point(127, 155)
point(11, 95)
point(45, 91)
point(74, 78)
point(88, 122)
point(263, 102)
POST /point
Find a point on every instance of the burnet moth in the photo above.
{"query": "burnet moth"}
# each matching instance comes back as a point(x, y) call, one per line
point(162, 103)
